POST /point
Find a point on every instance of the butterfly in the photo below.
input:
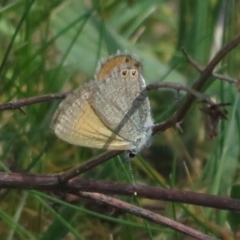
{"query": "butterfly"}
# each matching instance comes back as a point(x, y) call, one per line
point(111, 112)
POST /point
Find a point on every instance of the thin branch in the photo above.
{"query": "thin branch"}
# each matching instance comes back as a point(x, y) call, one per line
point(201, 69)
point(192, 62)
point(146, 214)
point(95, 161)
point(17, 104)
point(51, 182)
point(225, 78)
point(178, 87)
point(197, 86)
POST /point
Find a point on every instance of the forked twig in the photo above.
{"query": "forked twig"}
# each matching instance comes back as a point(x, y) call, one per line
point(197, 86)
point(200, 69)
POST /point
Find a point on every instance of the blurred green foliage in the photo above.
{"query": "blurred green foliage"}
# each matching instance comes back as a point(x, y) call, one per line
point(54, 46)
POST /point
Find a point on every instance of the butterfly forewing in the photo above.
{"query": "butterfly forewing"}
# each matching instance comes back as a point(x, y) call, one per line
point(120, 102)
point(77, 123)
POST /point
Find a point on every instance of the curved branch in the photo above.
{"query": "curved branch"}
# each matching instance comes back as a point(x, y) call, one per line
point(146, 214)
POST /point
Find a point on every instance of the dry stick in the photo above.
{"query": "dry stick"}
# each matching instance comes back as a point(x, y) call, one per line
point(18, 104)
point(178, 87)
point(32, 100)
point(146, 214)
point(200, 69)
point(95, 161)
point(50, 182)
point(173, 195)
point(197, 86)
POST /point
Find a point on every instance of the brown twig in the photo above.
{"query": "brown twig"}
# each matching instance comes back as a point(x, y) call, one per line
point(146, 214)
point(201, 69)
point(17, 104)
point(197, 86)
point(95, 161)
point(51, 182)
point(178, 87)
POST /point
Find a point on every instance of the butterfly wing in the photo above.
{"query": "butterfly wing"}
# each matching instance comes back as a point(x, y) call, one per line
point(76, 122)
point(122, 104)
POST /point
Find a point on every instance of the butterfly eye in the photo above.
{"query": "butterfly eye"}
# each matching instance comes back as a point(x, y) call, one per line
point(131, 154)
point(133, 73)
point(124, 73)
